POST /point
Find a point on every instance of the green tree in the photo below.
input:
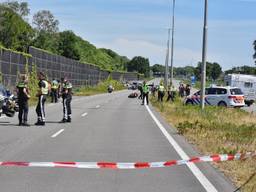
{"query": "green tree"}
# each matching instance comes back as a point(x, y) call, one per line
point(213, 71)
point(139, 64)
point(157, 68)
point(46, 27)
point(242, 70)
point(119, 62)
point(216, 71)
point(15, 33)
point(68, 45)
point(21, 8)
point(46, 41)
point(186, 71)
point(45, 21)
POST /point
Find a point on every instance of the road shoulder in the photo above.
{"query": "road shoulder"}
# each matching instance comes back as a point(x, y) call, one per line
point(217, 178)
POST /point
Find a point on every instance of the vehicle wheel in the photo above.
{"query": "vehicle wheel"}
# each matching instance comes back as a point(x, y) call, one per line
point(189, 102)
point(249, 103)
point(222, 104)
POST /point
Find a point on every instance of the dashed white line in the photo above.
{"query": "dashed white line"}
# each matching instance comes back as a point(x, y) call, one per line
point(194, 169)
point(56, 134)
point(97, 106)
point(84, 114)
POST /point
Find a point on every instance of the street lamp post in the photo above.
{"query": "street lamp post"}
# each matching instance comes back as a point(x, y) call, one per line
point(168, 48)
point(167, 60)
point(204, 51)
point(172, 47)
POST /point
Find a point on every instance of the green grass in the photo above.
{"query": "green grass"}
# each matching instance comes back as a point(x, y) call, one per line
point(217, 130)
point(100, 88)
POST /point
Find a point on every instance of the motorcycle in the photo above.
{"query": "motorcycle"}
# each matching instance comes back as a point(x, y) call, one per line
point(110, 89)
point(8, 104)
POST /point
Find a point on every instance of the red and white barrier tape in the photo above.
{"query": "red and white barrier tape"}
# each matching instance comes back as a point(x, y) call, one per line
point(138, 165)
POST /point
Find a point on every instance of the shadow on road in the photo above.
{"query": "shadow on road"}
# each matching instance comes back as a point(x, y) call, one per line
point(8, 124)
point(53, 122)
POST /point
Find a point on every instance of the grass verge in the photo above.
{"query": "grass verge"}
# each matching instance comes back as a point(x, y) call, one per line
point(100, 88)
point(217, 130)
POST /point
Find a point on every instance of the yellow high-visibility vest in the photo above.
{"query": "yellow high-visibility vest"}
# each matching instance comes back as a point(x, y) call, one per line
point(161, 88)
point(44, 90)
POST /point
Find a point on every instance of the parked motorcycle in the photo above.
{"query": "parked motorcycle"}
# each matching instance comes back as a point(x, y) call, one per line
point(8, 104)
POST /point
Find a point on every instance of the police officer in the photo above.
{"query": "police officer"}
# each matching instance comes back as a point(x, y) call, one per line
point(23, 97)
point(42, 94)
point(54, 91)
point(66, 97)
point(141, 91)
point(171, 93)
point(145, 92)
point(161, 92)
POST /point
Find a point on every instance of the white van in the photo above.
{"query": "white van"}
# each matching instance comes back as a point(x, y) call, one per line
point(247, 83)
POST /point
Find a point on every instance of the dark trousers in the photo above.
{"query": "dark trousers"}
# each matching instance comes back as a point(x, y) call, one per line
point(153, 93)
point(171, 95)
point(145, 95)
point(54, 95)
point(40, 108)
point(67, 107)
point(23, 111)
point(141, 95)
point(160, 96)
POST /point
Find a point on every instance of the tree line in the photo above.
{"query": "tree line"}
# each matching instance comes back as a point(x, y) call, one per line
point(18, 34)
point(213, 70)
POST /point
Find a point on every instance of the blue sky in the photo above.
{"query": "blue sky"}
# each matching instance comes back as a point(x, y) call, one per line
point(139, 27)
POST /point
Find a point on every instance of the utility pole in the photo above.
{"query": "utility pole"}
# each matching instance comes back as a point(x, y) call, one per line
point(204, 58)
point(172, 48)
point(167, 60)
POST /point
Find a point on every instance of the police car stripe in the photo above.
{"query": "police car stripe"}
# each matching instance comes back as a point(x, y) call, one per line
point(198, 100)
point(207, 102)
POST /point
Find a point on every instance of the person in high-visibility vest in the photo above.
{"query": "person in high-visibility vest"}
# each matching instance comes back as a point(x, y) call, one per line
point(23, 97)
point(145, 92)
point(54, 91)
point(42, 95)
point(67, 98)
point(171, 93)
point(161, 92)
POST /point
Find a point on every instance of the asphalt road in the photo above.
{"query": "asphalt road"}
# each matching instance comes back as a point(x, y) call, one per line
point(108, 127)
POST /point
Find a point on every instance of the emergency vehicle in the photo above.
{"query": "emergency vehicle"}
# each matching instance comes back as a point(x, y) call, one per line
point(247, 83)
point(218, 96)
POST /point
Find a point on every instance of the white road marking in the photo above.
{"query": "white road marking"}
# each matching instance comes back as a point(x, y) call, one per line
point(84, 114)
point(193, 168)
point(97, 106)
point(56, 134)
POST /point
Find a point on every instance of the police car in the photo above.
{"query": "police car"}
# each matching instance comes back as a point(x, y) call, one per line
point(218, 96)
